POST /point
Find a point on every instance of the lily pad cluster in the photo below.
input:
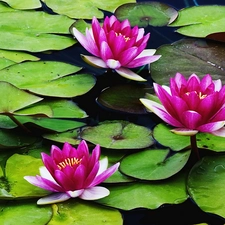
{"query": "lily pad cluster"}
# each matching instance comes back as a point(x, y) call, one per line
point(46, 102)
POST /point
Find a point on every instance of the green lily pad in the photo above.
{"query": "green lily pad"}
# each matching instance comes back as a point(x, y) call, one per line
point(5, 7)
point(86, 213)
point(17, 213)
point(118, 135)
point(18, 166)
point(56, 108)
point(165, 137)
point(30, 27)
point(14, 139)
point(206, 184)
point(48, 78)
point(189, 56)
point(6, 122)
point(153, 164)
point(147, 13)
point(84, 9)
point(124, 98)
point(14, 98)
point(200, 21)
point(51, 124)
point(147, 195)
point(25, 4)
point(69, 136)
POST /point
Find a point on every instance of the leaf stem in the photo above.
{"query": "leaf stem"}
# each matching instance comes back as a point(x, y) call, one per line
point(194, 146)
point(18, 123)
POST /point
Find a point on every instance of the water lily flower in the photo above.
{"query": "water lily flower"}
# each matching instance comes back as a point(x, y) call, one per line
point(117, 46)
point(71, 173)
point(191, 105)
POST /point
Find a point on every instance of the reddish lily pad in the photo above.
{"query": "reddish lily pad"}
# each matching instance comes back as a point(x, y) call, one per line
point(124, 98)
point(205, 184)
point(189, 56)
point(118, 135)
point(153, 164)
point(147, 13)
point(200, 21)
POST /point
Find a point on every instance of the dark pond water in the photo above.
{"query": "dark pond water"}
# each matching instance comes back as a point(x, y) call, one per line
point(182, 214)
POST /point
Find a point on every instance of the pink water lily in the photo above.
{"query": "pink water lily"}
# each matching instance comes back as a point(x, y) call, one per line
point(117, 46)
point(71, 172)
point(191, 105)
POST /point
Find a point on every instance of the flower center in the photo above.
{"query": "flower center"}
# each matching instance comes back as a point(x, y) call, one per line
point(199, 94)
point(69, 162)
point(125, 38)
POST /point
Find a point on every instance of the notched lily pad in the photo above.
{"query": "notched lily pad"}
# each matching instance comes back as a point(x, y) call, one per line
point(205, 184)
point(118, 135)
point(200, 21)
point(154, 164)
point(124, 98)
point(147, 13)
point(189, 56)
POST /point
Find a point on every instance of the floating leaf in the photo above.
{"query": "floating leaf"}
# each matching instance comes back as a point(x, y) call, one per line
point(84, 9)
point(189, 56)
point(17, 213)
point(86, 214)
point(15, 139)
point(58, 125)
point(48, 78)
point(25, 4)
point(147, 195)
point(165, 137)
point(30, 26)
point(6, 122)
point(143, 14)
point(153, 164)
point(14, 98)
point(200, 21)
point(124, 98)
point(18, 166)
point(206, 184)
point(118, 135)
point(56, 108)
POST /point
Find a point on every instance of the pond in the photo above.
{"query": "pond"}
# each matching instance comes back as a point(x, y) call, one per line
point(150, 109)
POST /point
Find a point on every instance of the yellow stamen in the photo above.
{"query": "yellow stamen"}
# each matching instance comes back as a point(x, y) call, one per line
point(125, 38)
point(69, 162)
point(200, 95)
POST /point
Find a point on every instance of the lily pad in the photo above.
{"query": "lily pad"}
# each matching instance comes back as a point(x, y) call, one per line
point(189, 56)
point(124, 98)
point(118, 135)
point(48, 78)
point(165, 137)
point(14, 98)
point(27, 30)
point(86, 213)
point(18, 166)
point(206, 184)
point(16, 213)
point(143, 14)
point(200, 21)
point(154, 164)
point(51, 124)
point(25, 4)
point(147, 195)
point(56, 108)
point(84, 9)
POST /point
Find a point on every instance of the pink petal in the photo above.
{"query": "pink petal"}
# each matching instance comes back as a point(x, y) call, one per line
point(220, 132)
point(103, 164)
point(94, 61)
point(219, 116)
point(218, 85)
point(184, 131)
point(128, 55)
point(191, 119)
point(103, 176)
point(74, 194)
point(211, 127)
point(53, 198)
point(94, 193)
point(105, 51)
point(193, 83)
point(161, 112)
point(141, 32)
point(91, 176)
point(64, 181)
point(44, 183)
point(124, 72)
point(113, 64)
point(205, 82)
point(82, 149)
point(143, 61)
